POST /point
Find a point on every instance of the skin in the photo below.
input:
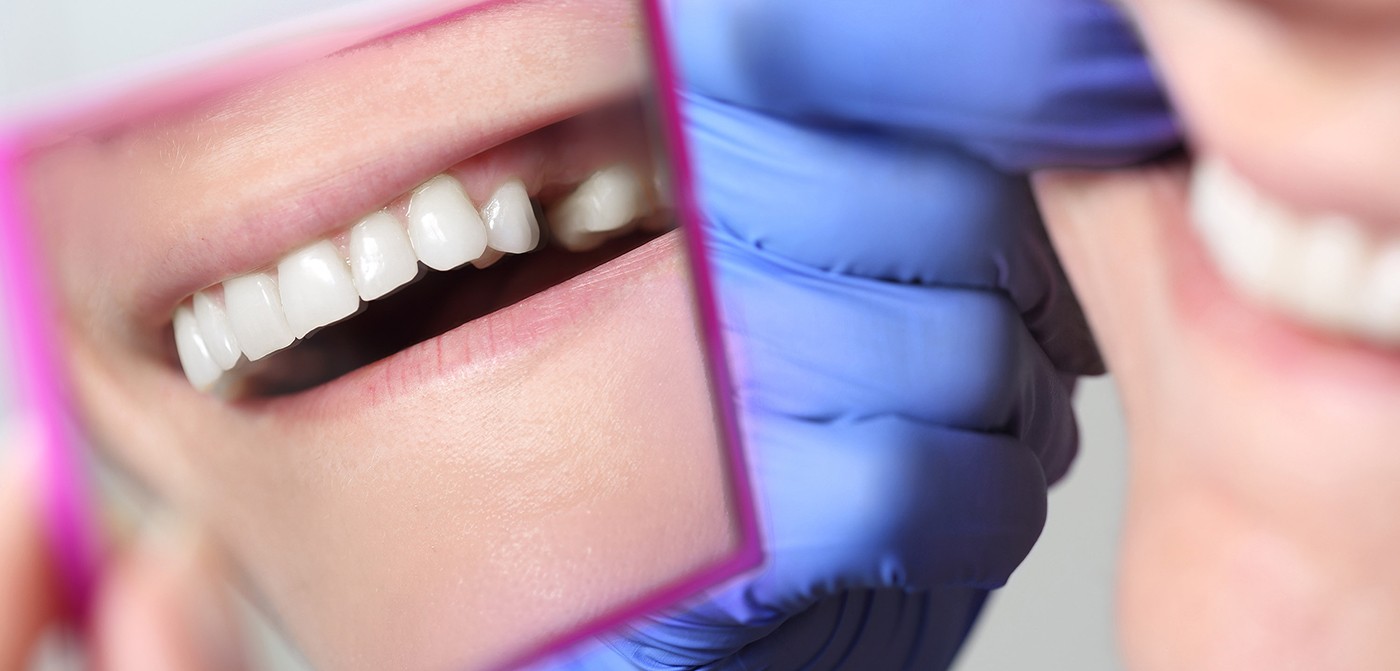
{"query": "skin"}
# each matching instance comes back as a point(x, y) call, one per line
point(158, 607)
point(468, 498)
point(1259, 533)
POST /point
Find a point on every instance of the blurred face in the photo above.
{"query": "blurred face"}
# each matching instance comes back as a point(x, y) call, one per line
point(1248, 298)
point(404, 326)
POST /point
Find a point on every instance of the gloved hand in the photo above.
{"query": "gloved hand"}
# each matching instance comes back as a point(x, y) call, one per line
point(902, 339)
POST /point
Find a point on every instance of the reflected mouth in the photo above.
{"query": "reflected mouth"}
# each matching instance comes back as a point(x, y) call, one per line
point(434, 304)
point(486, 233)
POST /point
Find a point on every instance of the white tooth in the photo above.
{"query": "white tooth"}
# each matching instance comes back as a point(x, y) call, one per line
point(1378, 306)
point(316, 287)
point(215, 331)
point(600, 208)
point(1331, 253)
point(662, 218)
point(620, 197)
point(661, 190)
point(510, 220)
point(1284, 232)
point(1243, 240)
point(489, 258)
point(444, 226)
point(255, 315)
point(572, 238)
point(1322, 270)
point(381, 257)
point(199, 364)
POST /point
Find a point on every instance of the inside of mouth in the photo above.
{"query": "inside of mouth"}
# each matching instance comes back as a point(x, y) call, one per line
point(561, 166)
point(433, 304)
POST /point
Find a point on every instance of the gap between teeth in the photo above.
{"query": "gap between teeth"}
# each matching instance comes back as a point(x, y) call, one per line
point(1323, 270)
point(256, 314)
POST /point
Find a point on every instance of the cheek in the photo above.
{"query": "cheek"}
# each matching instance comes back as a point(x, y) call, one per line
point(1295, 94)
point(1207, 379)
point(1262, 457)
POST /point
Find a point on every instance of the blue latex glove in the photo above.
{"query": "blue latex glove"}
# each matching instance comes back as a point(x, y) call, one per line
point(903, 340)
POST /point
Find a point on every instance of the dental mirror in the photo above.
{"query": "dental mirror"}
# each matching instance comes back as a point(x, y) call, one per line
point(401, 316)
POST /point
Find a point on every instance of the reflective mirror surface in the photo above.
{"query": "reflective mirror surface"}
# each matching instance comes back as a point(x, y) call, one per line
point(409, 328)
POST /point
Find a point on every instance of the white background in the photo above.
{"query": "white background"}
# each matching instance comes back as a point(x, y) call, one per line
point(1055, 615)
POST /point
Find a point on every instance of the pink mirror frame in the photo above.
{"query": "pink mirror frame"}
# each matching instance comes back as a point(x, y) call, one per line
point(38, 378)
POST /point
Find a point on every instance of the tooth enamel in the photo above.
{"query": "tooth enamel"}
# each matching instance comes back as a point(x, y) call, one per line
point(316, 287)
point(255, 315)
point(1330, 256)
point(661, 190)
point(381, 257)
point(1379, 305)
point(1322, 270)
point(510, 219)
point(489, 258)
point(261, 313)
point(600, 208)
point(1227, 213)
point(444, 226)
point(214, 330)
point(662, 218)
point(199, 364)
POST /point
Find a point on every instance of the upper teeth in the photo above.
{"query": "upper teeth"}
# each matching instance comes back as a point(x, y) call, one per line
point(510, 220)
point(1321, 269)
point(600, 208)
point(258, 313)
point(255, 314)
point(444, 226)
point(381, 257)
point(316, 288)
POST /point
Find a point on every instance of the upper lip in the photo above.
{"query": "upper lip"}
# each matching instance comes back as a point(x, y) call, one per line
point(315, 185)
point(1311, 189)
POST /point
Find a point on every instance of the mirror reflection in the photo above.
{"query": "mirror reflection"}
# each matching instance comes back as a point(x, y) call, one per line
point(408, 329)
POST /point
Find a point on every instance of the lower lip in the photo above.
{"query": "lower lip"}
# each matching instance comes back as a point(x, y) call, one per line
point(1206, 304)
point(509, 333)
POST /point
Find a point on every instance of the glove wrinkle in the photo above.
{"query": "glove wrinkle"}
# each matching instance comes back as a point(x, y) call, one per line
point(984, 233)
point(903, 340)
point(869, 629)
point(967, 350)
point(1022, 84)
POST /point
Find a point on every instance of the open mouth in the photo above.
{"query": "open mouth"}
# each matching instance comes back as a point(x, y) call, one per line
point(486, 233)
point(1327, 272)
